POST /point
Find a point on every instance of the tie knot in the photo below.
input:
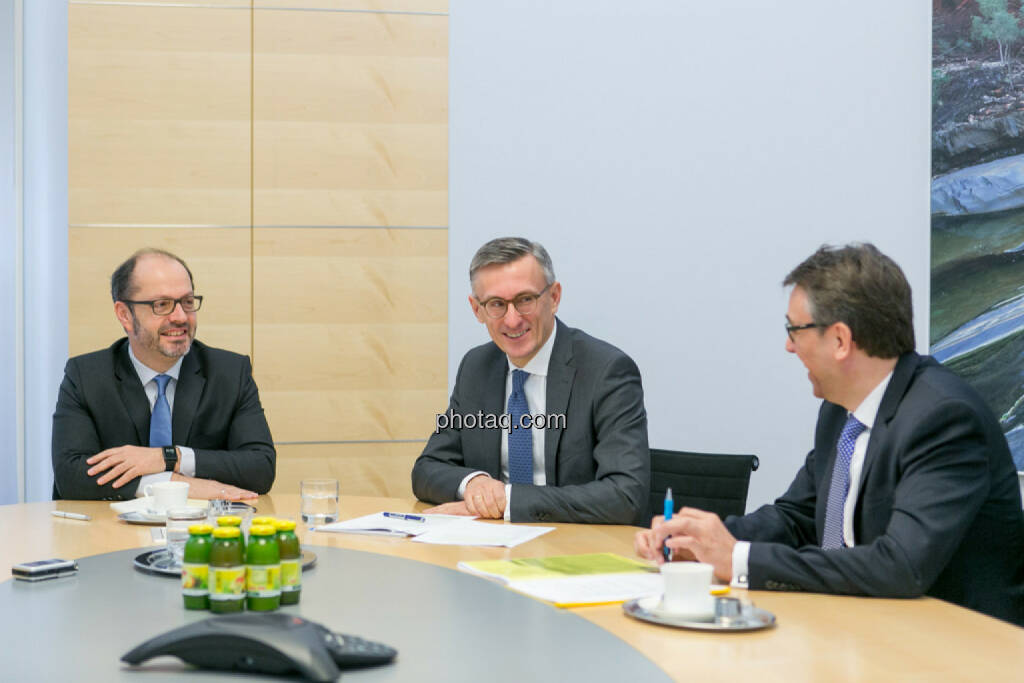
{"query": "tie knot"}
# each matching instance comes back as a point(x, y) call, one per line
point(852, 428)
point(161, 383)
point(518, 379)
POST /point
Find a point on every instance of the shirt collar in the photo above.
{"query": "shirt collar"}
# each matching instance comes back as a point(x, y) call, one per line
point(146, 373)
point(868, 408)
point(538, 365)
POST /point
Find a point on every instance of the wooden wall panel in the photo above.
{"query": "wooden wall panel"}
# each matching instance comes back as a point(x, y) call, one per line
point(350, 119)
point(351, 331)
point(434, 6)
point(374, 469)
point(220, 264)
point(159, 115)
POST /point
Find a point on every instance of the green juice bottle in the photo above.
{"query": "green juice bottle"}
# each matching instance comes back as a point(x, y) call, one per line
point(232, 521)
point(195, 570)
point(263, 560)
point(291, 562)
point(227, 571)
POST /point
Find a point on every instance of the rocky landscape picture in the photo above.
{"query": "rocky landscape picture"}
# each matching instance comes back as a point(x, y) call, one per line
point(977, 202)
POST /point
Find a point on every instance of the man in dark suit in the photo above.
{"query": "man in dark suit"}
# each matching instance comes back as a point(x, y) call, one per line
point(546, 423)
point(910, 489)
point(157, 405)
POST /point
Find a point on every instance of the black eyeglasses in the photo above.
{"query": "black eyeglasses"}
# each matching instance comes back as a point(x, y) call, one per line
point(791, 328)
point(524, 303)
point(190, 303)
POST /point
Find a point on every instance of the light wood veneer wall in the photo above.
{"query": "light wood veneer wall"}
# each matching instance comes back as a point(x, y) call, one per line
point(294, 152)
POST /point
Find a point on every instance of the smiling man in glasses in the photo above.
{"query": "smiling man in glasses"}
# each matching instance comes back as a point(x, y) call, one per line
point(546, 423)
point(159, 405)
point(910, 488)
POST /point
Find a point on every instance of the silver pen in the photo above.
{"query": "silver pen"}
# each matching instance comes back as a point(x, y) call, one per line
point(70, 515)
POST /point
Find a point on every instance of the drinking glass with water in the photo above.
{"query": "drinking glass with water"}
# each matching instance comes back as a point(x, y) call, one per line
point(178, 522)
point(319, 501)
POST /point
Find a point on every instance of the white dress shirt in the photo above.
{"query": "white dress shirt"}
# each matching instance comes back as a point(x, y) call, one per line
point(865, 413)
point(536, 390)
point(147, 375)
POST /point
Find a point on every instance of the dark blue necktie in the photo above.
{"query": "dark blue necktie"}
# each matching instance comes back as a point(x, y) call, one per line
point(520, 439)
point(840, 486)
point(160, 422)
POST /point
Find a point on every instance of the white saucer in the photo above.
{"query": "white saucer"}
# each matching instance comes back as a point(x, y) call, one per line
point(652, 604)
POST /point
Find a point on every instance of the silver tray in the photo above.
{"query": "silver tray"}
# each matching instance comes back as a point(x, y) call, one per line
point(731, 614)
point(159, 562)
point(149, 519)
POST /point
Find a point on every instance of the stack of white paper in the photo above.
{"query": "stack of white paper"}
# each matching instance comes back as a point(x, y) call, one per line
point(438, 529)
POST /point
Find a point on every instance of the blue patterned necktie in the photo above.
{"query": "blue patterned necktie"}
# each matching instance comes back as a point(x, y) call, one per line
point(520, 440)
point(160, 422)
point(840, 486)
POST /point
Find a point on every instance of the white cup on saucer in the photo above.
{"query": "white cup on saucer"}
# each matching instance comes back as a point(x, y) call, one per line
point(688, 591)
point(165, 495)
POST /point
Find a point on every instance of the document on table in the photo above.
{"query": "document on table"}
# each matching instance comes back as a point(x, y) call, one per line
point(393, 524)
point(573, 580)
point(468, 532)
point(596, 589)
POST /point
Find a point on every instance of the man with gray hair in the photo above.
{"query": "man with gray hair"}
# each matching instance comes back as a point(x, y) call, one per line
point(910, 488)
point(546, 423)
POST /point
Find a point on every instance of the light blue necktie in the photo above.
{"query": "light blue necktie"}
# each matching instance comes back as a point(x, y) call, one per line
point(160, 422)
point(840, 486)
point(520, 440)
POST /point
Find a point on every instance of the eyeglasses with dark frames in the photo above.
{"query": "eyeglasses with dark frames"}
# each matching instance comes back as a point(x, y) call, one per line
point(524, 303)
point(791, 328)
point(190, 303)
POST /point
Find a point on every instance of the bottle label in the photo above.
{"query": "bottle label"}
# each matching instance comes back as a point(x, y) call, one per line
point(228, 583)
point(291, 575)
point(195, 579)
point(264, 580)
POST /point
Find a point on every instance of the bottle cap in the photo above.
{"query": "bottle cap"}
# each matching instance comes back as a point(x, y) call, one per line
point(264, 520)
point(229, 520)
point(262, 530)
point(285, 525)
point(200, 529)
point(227, 532)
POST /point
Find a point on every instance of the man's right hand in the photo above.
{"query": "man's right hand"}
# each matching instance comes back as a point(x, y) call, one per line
point(485, 497)
point(208, 489)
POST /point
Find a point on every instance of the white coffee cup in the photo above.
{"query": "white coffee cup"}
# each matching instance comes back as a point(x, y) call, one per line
point(165, 495)
point(688, 590)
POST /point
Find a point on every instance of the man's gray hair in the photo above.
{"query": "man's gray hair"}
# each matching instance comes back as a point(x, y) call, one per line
point(509, 249)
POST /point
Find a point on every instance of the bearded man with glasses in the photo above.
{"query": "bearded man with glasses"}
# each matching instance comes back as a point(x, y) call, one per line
point(573, 444)
point(159, 405)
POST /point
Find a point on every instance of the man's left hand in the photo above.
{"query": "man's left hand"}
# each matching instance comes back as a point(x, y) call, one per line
point(457, 507)
point(124, 463)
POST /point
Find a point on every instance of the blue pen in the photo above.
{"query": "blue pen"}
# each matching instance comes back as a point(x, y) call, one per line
point(408, 518)
point(668, 516)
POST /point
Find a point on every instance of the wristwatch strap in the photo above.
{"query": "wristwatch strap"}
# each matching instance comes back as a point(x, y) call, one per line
point(170, 458)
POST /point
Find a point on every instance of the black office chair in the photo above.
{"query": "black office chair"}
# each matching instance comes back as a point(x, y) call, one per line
point(710, 481)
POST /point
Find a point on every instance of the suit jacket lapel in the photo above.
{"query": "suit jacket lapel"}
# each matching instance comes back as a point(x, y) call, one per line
point(191, 381)
point(561, 373)
point(494, 404)
point(133, 396)
point(898, 385)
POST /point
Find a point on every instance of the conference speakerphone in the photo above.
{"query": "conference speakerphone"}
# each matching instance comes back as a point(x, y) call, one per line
point(40, 570)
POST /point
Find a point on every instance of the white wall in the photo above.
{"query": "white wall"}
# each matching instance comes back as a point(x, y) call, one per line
point(678, 158)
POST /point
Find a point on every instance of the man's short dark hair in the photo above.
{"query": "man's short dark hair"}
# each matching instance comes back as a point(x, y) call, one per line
point(862, 287)
point(122, 284)
point(509, 249)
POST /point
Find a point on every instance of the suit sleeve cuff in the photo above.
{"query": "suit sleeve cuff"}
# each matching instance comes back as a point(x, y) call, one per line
point(740, 562)
point(461, 493)
point(148, 479)
point(187, 462)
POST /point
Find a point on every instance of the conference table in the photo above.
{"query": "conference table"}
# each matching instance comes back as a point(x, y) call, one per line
point(816, 637)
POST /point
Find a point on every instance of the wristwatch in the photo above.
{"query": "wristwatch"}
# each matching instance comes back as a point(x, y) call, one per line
point(170, 458)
